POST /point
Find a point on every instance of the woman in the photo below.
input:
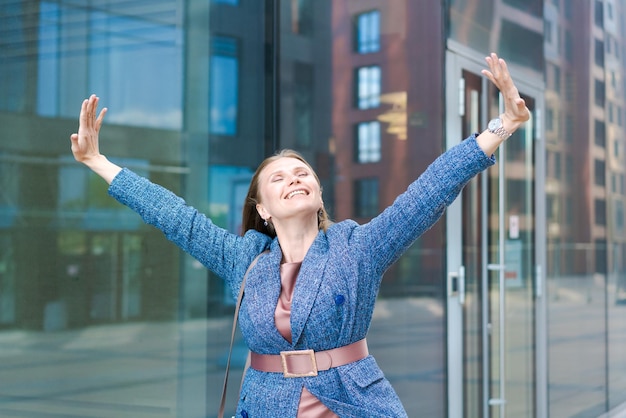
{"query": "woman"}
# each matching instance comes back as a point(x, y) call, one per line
point(309, 299)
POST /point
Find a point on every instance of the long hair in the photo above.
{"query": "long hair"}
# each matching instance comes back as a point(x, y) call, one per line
point(251, 218)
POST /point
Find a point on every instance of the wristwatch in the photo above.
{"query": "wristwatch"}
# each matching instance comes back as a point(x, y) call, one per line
point(495, 127)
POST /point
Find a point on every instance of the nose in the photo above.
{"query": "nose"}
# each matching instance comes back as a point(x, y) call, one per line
point(295, 179)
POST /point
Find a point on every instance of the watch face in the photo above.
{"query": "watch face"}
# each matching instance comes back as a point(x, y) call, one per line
point(494, 124)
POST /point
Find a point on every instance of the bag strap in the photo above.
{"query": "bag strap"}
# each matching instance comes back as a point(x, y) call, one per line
point(220, 414)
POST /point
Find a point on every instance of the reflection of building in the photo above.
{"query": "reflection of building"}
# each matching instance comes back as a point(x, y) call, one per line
point(386, 119)
point(584, 133)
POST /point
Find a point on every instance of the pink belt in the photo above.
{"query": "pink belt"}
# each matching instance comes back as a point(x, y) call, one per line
point(306, 363)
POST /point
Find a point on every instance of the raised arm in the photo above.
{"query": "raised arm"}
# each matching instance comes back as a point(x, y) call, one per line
point(85, 145)
point(426, 199)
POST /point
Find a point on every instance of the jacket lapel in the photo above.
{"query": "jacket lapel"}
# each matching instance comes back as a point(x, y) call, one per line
point(308, 284)
point(262, 291)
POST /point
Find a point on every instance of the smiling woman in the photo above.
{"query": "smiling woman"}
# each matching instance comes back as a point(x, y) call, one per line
point(309, 300)
point(252, 219)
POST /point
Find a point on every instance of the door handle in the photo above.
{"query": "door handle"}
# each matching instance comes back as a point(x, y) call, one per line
point(456, 284)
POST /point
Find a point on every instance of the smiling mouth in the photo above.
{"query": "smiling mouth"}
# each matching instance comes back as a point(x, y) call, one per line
point(294, 193)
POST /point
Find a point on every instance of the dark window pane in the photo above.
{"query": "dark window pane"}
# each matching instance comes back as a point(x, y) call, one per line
point(304, 103)
point(366, 198)
point(599, 173)
point(367, 32)
point(600, 212)
point(599, 52)
point(600, 133)
point(224, 87)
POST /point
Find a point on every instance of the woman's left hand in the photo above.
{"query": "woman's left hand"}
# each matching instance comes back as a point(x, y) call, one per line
point(515, 110)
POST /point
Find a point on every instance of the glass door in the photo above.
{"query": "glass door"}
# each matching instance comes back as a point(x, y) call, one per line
point(492, 260)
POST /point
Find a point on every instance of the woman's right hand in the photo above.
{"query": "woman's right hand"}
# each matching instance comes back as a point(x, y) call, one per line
point(85, 143)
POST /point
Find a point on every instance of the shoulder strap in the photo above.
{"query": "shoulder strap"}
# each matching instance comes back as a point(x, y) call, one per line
point(220, 414)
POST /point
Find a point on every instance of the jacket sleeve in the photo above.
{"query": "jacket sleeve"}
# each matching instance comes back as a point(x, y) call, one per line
point(389, 234)
point(191, 230)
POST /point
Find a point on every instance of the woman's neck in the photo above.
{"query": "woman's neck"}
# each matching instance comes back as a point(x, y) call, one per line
point(295, 239)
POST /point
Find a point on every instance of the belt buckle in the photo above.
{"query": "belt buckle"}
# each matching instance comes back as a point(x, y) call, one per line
point(308, 353)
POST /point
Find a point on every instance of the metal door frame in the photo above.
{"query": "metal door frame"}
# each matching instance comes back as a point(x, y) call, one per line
point(459, 58)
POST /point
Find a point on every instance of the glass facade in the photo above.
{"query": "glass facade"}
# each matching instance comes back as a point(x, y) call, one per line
point(101, 316)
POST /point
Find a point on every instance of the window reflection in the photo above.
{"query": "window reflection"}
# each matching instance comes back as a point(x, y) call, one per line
point(304, 95)
point(366, 198)
point(302, 15)
point(368, 87)
point(13, 57)
point(224, 86)
point(368, 142)
point(534, 7)
point(111, 51)
point(367, 32)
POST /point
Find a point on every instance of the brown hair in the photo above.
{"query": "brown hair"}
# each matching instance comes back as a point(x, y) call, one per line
point(251, 218)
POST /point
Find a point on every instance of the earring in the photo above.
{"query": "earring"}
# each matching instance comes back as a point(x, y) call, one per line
point(265, 222)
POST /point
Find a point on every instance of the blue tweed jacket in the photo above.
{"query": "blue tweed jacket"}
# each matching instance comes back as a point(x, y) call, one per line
point(335, 291)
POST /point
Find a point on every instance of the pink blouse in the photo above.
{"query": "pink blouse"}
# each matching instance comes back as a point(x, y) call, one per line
point(310, 406)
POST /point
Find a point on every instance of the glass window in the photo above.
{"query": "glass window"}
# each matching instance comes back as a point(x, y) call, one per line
point(367, 32)
point(302, 17)
point(618, 216)
point(366, 198)
point(231, 2)
point(568, 208)
point(368, 87)
point(368, 142)
point(600, 133)
point(569, 129)
point(599, 13)
point(547, 31)
point(224, 87)
point(534, 7)
point(557, 166)
point(599, 173)
point(552, 209)
point(13, 54)
point(569, 168)
point(304, 103)
point(549, 119)
point(600, 212)
point(599, 52)
point(118, 55)
point(568, 47)
point(557, 79)
point(471, 23)
point(568, 8)
point(511, 33)
point(600, 93)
